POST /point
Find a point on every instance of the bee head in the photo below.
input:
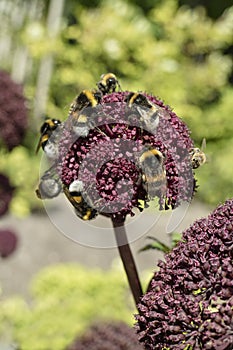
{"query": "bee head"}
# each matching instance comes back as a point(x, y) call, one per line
point(108, 83)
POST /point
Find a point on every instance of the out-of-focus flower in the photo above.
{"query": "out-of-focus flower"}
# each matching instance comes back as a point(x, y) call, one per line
point(189, 304)
point(114, 164)
point(8, 242)
point(107, 336)
point(13, 112)
point(6, 194)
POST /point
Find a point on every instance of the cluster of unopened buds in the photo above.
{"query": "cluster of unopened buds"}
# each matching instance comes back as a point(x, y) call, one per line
point(116, 151)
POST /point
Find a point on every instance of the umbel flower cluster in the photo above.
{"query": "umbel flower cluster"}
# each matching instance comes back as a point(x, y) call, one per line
point(13, 112)
point(117, 151)
point(189, 304)
point(107, 336)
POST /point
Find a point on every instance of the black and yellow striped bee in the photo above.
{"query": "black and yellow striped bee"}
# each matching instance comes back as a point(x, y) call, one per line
point(87, 98)
point(46, 131)
point(197, 155)
point(74, 194)
point(50, 184)
point(81, 110)
point(108, 83)
point(148, 112)
point(153, 172)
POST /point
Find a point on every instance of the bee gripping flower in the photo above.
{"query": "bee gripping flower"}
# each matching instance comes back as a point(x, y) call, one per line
point(107, 157)
point(189, 304)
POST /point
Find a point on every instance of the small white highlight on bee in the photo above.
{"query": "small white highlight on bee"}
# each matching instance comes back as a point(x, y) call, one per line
point(76, 186)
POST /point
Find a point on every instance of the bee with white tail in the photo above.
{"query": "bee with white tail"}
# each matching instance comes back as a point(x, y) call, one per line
point(83, 209)
point(151, 161)
point(147, 111)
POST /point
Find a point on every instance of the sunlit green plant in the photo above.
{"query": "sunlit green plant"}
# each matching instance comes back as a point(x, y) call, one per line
point(65, 299)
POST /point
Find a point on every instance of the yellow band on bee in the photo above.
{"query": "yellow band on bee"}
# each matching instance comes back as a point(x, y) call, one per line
point(50, 122)
point(77, 199)
point(91, 97)
point(87, 215)
point(150, 153)
point(44, 138)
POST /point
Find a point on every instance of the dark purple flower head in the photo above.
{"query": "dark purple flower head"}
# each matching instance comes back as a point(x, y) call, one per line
point(6, 194)
point(129, 155)
point(189, 304)
point(8, 242)
point(107, 336)
point(13, 112)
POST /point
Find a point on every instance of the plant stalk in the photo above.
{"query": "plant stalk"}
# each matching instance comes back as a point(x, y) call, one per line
point(128, 260)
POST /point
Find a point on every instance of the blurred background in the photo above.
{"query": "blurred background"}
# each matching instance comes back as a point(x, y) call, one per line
point(50, 50)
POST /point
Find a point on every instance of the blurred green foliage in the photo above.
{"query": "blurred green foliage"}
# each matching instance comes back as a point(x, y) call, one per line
point(65, 299)
point(18, 165)
point(176, 52)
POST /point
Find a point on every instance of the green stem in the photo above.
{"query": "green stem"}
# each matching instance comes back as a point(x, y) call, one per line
point(128, 260)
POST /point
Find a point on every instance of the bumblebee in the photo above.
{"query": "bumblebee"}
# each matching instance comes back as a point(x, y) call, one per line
point(74, 194)
point(148, 112)
point(50, 185)
point(197, 155)
point(153, 172)
point(108, 83)
point(81, 110)
point(87, 98)
point(46, 131)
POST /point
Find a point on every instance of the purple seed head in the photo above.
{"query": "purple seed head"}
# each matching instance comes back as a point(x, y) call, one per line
point(190, 300)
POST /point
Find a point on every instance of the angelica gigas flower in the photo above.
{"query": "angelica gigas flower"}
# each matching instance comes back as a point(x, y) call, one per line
point(122, 152)
point(13, 112)
point(189, 304)
point(107, 336)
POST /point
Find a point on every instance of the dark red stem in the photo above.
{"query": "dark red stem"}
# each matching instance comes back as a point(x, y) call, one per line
point(128, 260)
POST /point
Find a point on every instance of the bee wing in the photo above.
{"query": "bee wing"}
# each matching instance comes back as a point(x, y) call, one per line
point(203, 144)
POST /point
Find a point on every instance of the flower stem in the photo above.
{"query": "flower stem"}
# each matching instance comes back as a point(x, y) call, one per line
point(128, 260)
